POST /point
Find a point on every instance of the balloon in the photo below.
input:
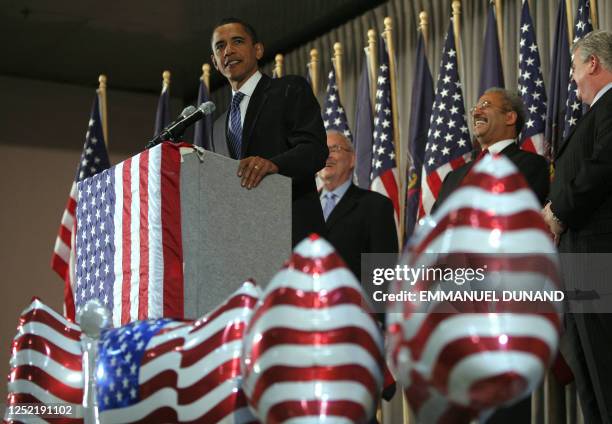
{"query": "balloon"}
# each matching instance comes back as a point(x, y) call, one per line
point(477, 355)
point(313, 351)
point(151, 371)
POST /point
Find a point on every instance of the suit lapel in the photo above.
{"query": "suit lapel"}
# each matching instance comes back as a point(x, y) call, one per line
point(256, 103)
point(346, 204)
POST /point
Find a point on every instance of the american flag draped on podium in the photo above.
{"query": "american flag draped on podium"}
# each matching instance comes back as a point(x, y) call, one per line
point(334, 116)
point(94, 159)
point(448, 145)
point(531, 88)
point(573, 107)
point(129, 248)
point(384, 176)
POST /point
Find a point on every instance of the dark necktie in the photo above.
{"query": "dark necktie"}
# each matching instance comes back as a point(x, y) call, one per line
point(235, 126)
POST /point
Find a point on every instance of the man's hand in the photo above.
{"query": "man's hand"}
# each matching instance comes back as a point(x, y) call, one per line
point(553, 224)
point(253, 169)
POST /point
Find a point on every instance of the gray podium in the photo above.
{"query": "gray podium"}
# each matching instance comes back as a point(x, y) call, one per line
point(229, 233)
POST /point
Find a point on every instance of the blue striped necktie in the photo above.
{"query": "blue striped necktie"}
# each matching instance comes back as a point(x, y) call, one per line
point(330, 203)
point(235, 126)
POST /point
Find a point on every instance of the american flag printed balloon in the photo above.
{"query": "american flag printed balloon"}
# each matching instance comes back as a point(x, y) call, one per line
point(313, 353)
point(45, 364)
point(147, 371)
point(457, 360)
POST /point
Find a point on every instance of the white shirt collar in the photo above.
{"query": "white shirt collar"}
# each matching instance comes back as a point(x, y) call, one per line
point(601, 92)
point(249, 86)
point(496, 148)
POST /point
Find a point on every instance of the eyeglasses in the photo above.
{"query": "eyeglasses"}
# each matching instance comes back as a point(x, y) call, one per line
point(337, 148)
point(485, 104)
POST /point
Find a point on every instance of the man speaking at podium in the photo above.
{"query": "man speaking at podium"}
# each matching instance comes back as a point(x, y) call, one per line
point(271, 126)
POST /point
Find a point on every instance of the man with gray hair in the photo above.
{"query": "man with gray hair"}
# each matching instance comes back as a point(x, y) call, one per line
point(498, 118)
point(579, 214)
point(357, 221)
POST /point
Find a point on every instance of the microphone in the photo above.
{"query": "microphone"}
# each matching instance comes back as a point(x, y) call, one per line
point(188, 117)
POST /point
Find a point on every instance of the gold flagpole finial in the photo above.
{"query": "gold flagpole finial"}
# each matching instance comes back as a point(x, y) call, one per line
point(102, 80)
point(278, 65)
point(206, 76)
point(166, 78)
point(423, 24)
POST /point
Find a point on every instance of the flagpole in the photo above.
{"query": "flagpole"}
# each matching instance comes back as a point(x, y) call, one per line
point(313, 68)
point(388, 22)
point(206, 76)
point(423, 23)
point(594, 20)
point(103, 111)
point(373, 65)
point(278, 65)
point(457, 30)
point(500, 28)
point(570, 21)
point(337, 62)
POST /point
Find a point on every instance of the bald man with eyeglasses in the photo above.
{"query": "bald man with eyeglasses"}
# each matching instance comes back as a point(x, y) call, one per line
point(357, 220)
point(498, 118)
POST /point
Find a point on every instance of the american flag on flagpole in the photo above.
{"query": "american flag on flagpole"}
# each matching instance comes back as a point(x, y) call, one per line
point(94, 159)
point(364, 128)
point(448, 145)
point(202, 133)
point(334, 116)
point(491, 69)
point(128, 241)
point(420, 112)
point(557, 81)
point(573, 106)
point(162, 116)
point(384, 177)
point(531, 87)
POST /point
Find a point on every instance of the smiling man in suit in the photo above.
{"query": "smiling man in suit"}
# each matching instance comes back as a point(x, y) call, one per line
point(498, 118)
point(579, 215)
point(272, 125)
point(357, 221)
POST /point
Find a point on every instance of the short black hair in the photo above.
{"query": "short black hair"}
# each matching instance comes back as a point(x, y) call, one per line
point(247, 27)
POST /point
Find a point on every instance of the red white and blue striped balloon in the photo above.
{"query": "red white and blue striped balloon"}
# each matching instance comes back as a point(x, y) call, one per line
point(186, 371)
point(45, 364)
point(458, 360)
point(313, 353)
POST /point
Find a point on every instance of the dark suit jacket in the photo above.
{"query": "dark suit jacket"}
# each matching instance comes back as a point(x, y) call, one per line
point(581, 197)
point(362, 222)
point(581, 193)
point(533, 167)
point(283, 124)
